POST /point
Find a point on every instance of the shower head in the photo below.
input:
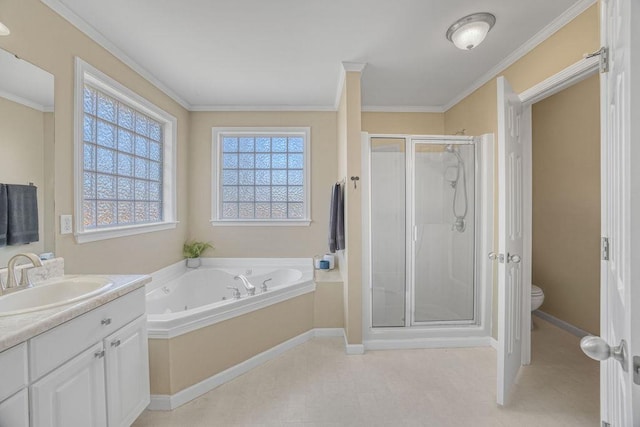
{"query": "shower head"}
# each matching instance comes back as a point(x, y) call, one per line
point(449, 148)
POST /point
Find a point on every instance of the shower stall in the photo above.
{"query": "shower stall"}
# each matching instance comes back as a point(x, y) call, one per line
point(427, 220)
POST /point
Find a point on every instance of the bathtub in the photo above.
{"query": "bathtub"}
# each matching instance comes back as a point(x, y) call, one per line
point(181, 300)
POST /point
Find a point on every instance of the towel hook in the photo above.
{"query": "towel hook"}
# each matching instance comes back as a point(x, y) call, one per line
point(355, 180)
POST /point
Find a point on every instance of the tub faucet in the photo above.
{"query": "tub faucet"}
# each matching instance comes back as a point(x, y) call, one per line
point(251, 290)
point(12, 282)
point(264, 287)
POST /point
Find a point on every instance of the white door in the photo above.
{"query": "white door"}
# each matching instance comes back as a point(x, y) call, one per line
point(510, 211)
point(127, 373)
point(72, 395)
point(620, 290)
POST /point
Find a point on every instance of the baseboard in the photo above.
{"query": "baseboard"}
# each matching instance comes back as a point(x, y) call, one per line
point(352, 349)
point(574, 330)
point(419, 343)
point(493, 343)
point(162, 402)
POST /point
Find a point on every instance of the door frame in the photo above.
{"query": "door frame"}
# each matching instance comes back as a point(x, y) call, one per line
point(546, 88)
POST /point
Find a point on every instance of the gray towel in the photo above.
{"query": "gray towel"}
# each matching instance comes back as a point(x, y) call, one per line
point(22, 204)
point(336, 220)
point(340, 239)
point(4, 209)
point(333, 218)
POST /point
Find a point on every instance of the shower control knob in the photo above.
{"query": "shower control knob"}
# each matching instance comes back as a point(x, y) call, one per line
point(513, 258)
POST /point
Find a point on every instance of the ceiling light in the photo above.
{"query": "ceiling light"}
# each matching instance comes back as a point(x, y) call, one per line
point(4, 30)
point(468, 32)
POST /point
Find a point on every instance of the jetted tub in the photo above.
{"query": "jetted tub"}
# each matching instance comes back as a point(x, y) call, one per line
point(181, 300)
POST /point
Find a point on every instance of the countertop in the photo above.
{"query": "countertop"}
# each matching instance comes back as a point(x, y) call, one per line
point(16, 329)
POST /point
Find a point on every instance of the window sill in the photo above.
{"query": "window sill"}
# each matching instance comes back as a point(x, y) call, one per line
point(259, 223)
point(113, 233)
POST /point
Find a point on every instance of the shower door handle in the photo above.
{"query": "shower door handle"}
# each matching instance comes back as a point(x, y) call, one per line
point(494, 256)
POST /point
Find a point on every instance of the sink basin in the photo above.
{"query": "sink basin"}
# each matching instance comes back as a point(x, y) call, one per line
point(49, 295)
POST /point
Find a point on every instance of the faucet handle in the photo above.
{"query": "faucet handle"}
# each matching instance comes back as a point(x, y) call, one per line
point(236, 292)
point(264, 287)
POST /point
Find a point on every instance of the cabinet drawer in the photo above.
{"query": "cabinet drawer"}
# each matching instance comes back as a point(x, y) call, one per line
point(13, 370)
point(52, 348)
point(14, 411)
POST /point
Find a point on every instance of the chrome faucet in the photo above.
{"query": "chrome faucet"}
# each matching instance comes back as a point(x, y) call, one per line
point(25, 282)
point(251, 290)
point(264, 287)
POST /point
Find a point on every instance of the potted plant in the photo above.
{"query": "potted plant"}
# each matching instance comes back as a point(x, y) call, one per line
point(192, 252)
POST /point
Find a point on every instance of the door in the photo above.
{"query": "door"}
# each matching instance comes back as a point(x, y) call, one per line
point(127, 373)
point(72, 395)
point(510, 211)
point(444, 232)
point(620, 301)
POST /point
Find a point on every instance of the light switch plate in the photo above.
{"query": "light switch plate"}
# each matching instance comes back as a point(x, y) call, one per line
point(66, 224)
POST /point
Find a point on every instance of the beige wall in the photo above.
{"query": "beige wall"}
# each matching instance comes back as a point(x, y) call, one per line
point(198, 355)
point(43, 38)
point(477, 113)
point(403, 123)
point(296, 241)
point(566, 203)
point(350, 161)
point(22, 161)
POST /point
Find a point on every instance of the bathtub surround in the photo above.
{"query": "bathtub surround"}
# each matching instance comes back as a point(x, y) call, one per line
point(185, 354)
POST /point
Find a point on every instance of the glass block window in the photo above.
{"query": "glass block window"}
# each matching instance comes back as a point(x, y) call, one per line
point(262, 175)
point(122, 163)
point(125, 158)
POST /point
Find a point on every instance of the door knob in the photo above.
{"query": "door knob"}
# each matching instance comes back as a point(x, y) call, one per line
point(513, 258)
point(495, 256)
point(598, 349)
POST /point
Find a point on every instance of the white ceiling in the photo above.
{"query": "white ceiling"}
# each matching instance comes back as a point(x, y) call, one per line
point(244, 54)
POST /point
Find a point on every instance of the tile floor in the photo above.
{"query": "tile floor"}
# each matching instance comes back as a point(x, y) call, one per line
point(316, 384)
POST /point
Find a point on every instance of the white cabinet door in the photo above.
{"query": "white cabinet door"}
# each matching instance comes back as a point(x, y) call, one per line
point(72, 395)
point(127, 373)
point(14, 411)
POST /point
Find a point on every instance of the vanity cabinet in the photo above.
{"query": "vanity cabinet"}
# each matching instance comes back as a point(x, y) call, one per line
point(91, 371)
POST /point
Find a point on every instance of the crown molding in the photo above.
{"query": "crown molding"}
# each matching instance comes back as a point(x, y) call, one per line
point(75, 20)
point(562, 20)
point(222, 108)
point(347, 67)
point(403, 109)
point(26, 102)
point(356, 67)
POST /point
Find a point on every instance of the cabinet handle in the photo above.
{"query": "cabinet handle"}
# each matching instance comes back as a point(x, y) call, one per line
point(99, 354)
point(106, 321)
point(115, 343)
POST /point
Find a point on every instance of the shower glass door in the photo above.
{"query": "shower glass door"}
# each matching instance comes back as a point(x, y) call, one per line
point(444, 232)
point(388, 231)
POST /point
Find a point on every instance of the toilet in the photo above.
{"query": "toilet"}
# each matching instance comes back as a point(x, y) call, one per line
point(537, 298)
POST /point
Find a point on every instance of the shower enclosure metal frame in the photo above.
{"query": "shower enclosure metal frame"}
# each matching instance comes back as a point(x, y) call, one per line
point(432, 333)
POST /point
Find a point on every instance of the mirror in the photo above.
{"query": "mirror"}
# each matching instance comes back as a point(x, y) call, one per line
point(26, 143)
